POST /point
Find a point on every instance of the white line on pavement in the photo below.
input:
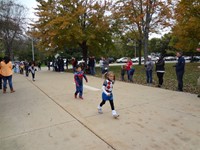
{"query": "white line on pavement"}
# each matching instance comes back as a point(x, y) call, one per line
point(91, 88)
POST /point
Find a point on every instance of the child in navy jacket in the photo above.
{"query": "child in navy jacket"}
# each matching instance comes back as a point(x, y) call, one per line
point(32, 69)
point(78, 78)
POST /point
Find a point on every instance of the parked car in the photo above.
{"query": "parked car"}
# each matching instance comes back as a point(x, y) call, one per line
point(136, 59)
point(81, 61)
point(153, 58)
point(122, 60)
point(187, 57)
point(195, 58)
point(170, 58)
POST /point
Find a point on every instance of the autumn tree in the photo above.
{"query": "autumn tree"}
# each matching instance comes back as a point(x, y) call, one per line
point(187, 27)
point(161, 45)
point(142, 17)
point(12, 19)
point(73, 24)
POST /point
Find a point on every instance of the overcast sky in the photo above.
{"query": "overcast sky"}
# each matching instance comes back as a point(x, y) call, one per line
point(31, 4)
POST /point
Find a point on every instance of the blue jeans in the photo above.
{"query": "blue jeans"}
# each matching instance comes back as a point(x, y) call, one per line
point(180, 80)
point(9, 79)
point(149, 76)
point(79, 89)
point(92, 70)
point(128, 74)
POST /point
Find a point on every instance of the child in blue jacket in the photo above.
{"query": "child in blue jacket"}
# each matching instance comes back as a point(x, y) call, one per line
point(78, 78)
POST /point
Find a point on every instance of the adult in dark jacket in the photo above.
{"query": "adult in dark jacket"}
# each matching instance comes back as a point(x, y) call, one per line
point(160, 70)
point(74, 63)
point(91, 65)
point(180, 69)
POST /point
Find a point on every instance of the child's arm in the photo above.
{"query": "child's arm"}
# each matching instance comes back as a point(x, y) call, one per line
point(76, 82)
point(85, 77)
point(104, 90)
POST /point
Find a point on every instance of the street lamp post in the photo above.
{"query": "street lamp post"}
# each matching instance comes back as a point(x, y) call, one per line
point(135, 48)
point(33, 54)
point(134, 42)
point(32, 45)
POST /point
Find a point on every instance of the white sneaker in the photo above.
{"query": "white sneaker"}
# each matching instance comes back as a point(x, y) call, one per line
point(100, 109)
point(114, 114)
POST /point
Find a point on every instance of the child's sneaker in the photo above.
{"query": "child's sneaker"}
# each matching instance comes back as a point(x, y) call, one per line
point(75, 95)
point(81, 97)
point(114, 114)
point(100, 110)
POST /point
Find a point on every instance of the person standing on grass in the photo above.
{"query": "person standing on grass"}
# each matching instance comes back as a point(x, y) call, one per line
point(74, 63)
point(131, 73)
point(78, 78)
point(129, 65)
point(180, 69)
point(6, 72)
point(39, 65)
point(26, 64)
point(105, 68)
point(149, 70)
point(107, 93)
point(198, 81)
point(101, 64)
point(91, 65)
point(160, 70)
point(67, 62)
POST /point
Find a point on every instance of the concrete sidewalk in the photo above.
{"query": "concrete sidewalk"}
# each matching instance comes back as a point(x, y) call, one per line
point(43, 115)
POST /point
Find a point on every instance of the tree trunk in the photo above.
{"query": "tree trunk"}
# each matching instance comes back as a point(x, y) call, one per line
point(147, 27)
point(140, 50)
point(84, 48)
point(8, 51)
point(146, 37)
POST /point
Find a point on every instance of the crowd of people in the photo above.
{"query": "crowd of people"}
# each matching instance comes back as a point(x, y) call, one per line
point(81, 69)
point(7, 68)
point(57, 64)
point(159, 68)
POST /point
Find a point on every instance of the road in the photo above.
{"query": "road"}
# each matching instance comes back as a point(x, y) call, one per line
point(43, 115)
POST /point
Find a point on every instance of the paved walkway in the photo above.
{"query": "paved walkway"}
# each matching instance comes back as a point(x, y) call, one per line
point(43, 115)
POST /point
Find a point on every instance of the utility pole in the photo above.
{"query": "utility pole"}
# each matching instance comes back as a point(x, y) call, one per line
point(32, 44)
point(33, 54)
point(135, 48)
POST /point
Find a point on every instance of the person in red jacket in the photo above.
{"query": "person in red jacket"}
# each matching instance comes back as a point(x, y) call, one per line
point(129, 65)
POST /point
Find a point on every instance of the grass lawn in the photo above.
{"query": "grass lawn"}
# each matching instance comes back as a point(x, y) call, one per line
point(170, 82)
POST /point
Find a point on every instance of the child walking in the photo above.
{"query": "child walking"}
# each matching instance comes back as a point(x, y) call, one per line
point(78, 78)
point(32, 69)
point(107, 93)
